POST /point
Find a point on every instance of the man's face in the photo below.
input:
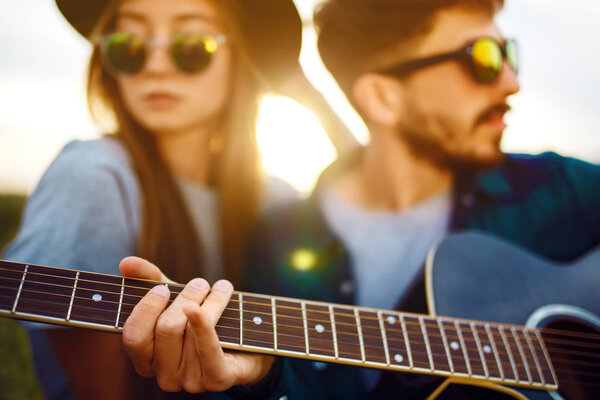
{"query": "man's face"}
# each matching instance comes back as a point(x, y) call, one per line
point(448, 116)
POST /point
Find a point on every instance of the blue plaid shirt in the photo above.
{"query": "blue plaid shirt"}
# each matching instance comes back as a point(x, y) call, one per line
point(547, 203)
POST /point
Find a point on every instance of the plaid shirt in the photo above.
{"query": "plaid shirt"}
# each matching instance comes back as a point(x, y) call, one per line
point(548, 204)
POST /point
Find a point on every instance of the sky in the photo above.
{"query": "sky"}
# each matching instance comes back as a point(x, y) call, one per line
point(42, 103)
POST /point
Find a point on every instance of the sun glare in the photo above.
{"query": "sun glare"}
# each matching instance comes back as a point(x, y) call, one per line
point(292, 142)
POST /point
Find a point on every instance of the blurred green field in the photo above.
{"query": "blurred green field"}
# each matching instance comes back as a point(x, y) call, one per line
point(17, 378)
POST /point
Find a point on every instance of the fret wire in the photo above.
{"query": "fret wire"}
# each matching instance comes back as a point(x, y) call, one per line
point(241, 319)
point(299, 336)
point(496, 355)
point(360, 336)
point(66, 278)
point(384, 337)
point(105, 283)
point(558, 332)
point(20, 288)
point(525, 363)
point(445, 341)
point(268, 342)
point(489, 333)
point(80, 280)
point(509, 352)
point(72, 296)
point(263, 342)
point(548, 331)
point(464, 348)
point(355, 359)
point(545, 350)
point(120, 302)
point(128, 286)
point(129, 304)
point(333, 332)
point(535, 359)
point(274, 312)
point(109, 324)
point(406, 343)
point(127, 314)
point(426, 341)
point(478, 342)
point(303, 306)
point(147, 289)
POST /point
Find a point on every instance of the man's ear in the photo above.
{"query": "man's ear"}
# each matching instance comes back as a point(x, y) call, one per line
point(379, 98)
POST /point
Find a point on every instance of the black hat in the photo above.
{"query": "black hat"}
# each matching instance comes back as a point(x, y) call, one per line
point(272, 30)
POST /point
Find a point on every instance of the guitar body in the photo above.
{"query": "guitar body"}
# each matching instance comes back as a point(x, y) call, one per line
point(474, 276)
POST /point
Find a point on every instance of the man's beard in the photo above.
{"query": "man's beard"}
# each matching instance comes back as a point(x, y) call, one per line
point(432, 149)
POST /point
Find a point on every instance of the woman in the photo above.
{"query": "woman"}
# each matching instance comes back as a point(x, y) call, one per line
point(178, 182)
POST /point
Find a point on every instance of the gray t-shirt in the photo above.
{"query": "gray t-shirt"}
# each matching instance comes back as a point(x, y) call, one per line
point(387, 248)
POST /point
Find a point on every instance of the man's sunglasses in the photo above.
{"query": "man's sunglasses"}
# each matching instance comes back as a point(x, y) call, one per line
point(126, 53)
point(485, 57)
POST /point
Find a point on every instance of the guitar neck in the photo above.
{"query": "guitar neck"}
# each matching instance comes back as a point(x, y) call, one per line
point(295, 328)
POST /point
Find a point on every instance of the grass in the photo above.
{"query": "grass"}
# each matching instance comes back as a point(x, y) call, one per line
point(17, 376)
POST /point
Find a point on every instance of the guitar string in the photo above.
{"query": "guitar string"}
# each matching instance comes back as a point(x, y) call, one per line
point(326, 314)
point(521, 337)
point(424, 360)
point(558, 332)
point(110, 322)
point(389, 329)
point(378, 338)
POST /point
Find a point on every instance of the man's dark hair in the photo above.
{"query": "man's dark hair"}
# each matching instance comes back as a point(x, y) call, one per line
point(353, 34)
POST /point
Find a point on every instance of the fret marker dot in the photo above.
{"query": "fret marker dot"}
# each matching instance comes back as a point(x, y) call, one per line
point(487, 349)
point(97, 297)
point(398, 358)
point(319, 328)
point(257, 320)
point(391, 320)
point(454, 345)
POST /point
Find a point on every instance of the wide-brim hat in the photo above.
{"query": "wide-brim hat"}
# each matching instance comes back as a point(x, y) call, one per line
point(272, 30)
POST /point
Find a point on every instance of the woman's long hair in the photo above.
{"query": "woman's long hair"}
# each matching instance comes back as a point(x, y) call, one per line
point(167, 235)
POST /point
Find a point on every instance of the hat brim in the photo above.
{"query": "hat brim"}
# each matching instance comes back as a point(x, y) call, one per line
point(83, 15)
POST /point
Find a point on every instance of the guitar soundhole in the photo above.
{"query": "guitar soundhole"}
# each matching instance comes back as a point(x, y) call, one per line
point(575, 356)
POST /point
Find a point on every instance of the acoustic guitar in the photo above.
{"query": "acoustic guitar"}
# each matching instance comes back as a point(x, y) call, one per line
point(471, 279)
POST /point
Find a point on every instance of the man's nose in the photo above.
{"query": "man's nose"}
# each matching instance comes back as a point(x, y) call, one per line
point(508, 80)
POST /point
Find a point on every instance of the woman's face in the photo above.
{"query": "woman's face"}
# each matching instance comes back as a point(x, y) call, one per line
point(161, 97)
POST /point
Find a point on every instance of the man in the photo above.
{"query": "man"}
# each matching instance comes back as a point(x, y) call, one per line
point(431, 79)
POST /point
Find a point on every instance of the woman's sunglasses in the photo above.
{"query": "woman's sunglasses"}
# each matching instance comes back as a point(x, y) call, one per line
point(126, 53)
point(485, 56)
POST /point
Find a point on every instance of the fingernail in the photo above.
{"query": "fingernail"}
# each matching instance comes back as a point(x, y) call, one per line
point(199, 283)
point(161, 290)
point(223, 285)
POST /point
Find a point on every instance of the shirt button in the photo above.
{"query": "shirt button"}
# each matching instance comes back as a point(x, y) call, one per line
point(347, 287)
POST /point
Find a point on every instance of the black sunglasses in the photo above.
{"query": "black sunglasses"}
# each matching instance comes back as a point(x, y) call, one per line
point(485, 57)
point(126, 53)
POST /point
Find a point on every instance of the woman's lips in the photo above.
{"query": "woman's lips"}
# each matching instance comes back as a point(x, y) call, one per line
point(161, 99)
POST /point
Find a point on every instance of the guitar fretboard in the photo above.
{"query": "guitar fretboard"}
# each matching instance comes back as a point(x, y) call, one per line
point(296, 328)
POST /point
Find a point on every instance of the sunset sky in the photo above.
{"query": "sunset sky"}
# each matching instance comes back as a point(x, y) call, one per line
point(42, 106)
